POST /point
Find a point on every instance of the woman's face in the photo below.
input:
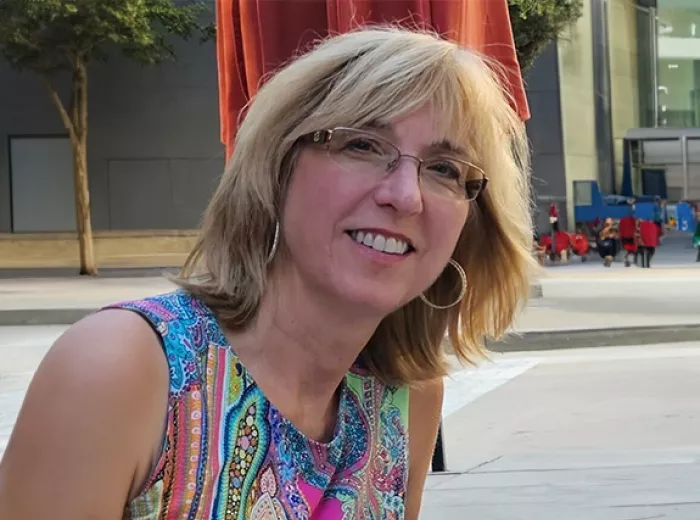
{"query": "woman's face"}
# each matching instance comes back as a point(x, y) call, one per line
point(330, 209)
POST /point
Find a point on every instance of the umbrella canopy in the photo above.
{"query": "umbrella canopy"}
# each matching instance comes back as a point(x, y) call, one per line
point(254, 37)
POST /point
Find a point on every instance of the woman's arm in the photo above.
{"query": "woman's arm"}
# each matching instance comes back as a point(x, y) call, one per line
point(86, 432)
point(425, 411)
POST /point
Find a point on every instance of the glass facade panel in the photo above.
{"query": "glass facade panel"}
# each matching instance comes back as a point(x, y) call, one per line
point(647, 67)
point(678, 69)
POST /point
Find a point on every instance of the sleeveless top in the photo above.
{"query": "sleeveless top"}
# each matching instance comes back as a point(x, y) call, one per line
point(228, 453)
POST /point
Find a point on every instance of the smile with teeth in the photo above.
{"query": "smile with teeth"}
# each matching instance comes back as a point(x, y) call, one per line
point(379, 242)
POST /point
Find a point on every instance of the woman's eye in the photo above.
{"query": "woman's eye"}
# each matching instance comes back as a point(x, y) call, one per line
point(363, 145)
point(445, 169)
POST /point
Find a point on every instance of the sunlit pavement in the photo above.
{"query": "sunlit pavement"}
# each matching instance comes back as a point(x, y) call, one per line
point(600, 434)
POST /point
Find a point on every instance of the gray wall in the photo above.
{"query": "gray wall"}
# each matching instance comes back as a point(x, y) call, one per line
point(545, 132)
point(154, 154)
point(43, 197)
point(154, 150)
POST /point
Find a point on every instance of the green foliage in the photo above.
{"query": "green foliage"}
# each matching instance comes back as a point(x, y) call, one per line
point(537, 23)
point(50, 35)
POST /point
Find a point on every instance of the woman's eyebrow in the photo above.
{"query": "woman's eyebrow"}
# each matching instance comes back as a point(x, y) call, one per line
point(379, 125)
point(448, 146)
point(445, 145)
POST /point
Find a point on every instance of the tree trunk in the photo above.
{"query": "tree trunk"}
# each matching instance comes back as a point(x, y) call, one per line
point(75, 121)
point(88, 264)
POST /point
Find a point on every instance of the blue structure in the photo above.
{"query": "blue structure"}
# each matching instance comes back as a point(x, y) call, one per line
point(590, 204)
point(685, 218)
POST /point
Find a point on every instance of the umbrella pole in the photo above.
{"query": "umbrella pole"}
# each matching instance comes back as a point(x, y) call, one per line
point(438, 462)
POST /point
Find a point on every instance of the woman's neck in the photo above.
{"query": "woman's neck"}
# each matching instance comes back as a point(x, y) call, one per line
point(300, 347)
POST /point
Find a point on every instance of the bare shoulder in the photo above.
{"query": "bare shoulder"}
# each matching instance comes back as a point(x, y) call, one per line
point(110, 341)
point(427, 394)
point(425, 411)
point(92, 413)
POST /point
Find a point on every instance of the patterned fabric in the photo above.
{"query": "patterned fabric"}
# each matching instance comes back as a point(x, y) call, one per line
point(230, 454)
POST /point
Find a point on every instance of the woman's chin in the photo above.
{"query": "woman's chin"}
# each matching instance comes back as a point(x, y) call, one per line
point(376, 303)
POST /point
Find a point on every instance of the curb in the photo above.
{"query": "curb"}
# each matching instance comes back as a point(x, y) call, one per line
point(612, 337)
point(23, 317)
point(73, 273)
point(63, 316)
point(522, 342)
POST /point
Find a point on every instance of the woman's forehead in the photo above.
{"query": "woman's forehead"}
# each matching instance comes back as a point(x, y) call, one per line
point(440, 142)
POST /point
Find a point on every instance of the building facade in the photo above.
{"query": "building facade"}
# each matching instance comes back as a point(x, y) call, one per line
point(154, 150)
point(626, 76)
point(155, 155)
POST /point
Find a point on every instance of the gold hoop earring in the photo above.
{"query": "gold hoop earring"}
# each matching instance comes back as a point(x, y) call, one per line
point(462, 291)
point(275, 243)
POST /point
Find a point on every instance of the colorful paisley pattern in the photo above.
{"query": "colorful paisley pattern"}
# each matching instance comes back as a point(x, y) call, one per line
point(229, 454)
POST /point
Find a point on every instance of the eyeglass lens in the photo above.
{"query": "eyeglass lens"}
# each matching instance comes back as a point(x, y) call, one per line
point(361, 151)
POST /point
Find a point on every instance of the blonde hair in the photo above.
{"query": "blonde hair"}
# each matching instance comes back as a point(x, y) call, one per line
point(369, 75)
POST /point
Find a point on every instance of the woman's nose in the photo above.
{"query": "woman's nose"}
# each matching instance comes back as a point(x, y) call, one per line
point(401, 187)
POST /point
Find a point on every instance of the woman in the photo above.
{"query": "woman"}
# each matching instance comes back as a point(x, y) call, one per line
point(607, 242)
point(303, 366)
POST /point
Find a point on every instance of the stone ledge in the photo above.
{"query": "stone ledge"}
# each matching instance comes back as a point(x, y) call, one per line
point(523, 342)
point(168, 248)
point(608, 337)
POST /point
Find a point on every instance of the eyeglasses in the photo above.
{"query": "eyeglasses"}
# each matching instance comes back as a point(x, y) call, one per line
point(359, 151)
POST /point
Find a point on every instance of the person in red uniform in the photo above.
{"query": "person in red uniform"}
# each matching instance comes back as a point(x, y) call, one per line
point(554, 216)
point(579, 244)
point(627, 229)
point(649, 241)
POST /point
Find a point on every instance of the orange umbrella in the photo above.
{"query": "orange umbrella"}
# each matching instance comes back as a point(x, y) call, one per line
point(255, 36)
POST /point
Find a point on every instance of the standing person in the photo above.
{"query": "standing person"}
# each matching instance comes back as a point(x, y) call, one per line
point(649, 241)
point(553, 225)
point(376, 199)
point(627, 230)
point(659, 216)
point(554, 217)
point(553, 232)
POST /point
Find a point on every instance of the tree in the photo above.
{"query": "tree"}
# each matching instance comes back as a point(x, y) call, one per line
point(55, 37)
point(537, 23)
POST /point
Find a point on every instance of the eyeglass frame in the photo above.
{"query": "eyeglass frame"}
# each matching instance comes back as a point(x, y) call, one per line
point(323, 137)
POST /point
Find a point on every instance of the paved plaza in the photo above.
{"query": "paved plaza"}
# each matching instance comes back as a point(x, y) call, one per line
point(541, 432)
point(590, 434)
